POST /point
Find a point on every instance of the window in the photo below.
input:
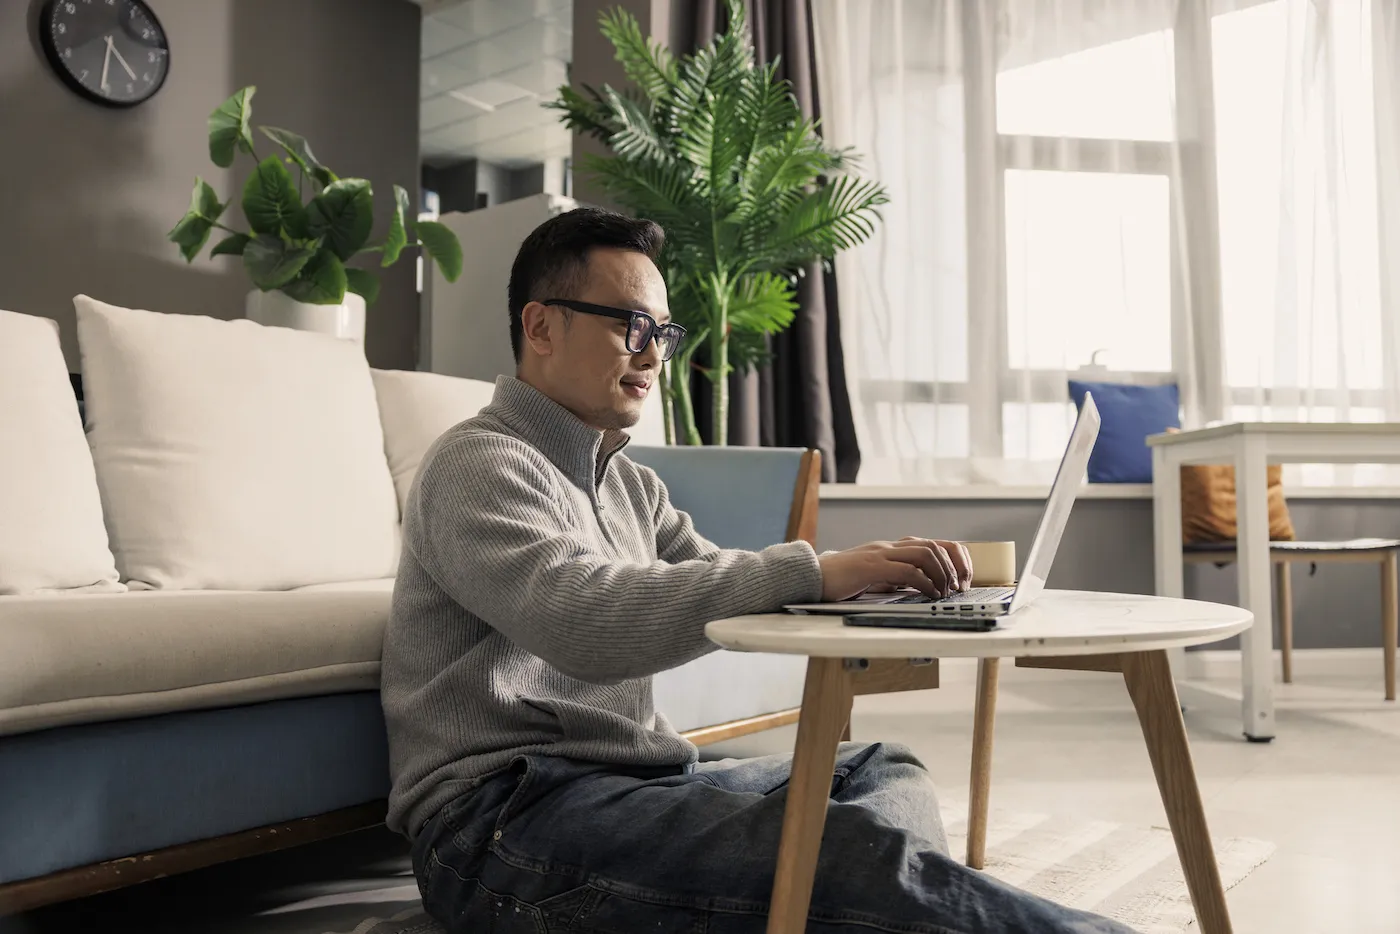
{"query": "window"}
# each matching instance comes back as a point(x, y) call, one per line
point(1086, 172)
point(1087, 268)
point(1179, 191)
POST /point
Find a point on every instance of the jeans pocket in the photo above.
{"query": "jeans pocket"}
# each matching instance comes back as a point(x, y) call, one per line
point(526, 771)
point(469, 821)
point(561, 913)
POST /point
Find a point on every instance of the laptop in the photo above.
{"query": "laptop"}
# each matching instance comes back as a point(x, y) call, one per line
point(981, 602)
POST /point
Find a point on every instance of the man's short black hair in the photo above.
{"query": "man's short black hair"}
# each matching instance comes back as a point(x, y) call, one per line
point(553, 260)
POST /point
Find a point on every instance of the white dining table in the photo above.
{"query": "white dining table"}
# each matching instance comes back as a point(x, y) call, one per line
point(1251, 447)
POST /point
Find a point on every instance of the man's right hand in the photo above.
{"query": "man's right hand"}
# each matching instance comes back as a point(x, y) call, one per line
point(932, 567)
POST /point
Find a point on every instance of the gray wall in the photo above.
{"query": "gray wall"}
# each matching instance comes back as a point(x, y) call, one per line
point(88, 192)
point(1108, 546)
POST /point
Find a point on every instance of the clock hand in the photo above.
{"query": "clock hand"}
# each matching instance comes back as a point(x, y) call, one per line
point(131, 74)
point(106, 60)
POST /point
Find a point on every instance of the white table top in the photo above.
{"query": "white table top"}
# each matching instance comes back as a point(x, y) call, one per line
point(1281, 429)
point(1060, 622)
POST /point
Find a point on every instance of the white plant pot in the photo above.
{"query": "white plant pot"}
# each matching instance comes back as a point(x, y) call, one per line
point(276, 309)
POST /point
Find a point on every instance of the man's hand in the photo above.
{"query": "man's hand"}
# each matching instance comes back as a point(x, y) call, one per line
point(936, 568)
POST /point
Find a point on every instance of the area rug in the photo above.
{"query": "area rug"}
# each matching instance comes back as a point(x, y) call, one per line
point(1128, 873)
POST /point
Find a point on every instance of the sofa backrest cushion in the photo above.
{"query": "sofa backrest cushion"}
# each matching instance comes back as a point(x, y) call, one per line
point(416, 408)
point(51, 531)
point(234, 456)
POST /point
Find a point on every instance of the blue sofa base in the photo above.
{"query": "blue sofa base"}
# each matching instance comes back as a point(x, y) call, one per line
point(79, 795)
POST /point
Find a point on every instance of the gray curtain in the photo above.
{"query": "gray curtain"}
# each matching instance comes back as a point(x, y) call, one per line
point(800, 398)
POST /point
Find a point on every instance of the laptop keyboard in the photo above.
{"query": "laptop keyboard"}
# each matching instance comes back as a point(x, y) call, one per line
point(975, 595)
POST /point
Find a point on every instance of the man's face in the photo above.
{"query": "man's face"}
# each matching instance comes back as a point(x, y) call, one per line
point(584, 361)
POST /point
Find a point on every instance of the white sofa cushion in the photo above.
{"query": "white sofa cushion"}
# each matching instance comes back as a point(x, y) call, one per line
point(234, 456)
point(416, 408)
point(87, 658)
point(51, 531)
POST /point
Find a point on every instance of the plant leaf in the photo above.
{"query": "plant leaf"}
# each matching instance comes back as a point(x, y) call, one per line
point(763, 303)
point(228, 128)
point(637, 135)
point(646, 62)
point(362, 282)
point(192, 231)
point(397, 237)
point(300, 150)
point(190, 234)
point(662, 192)
point(270, 200)
point(442, 246)
point(766, 109)
point(273, 262)
point(583, 114)
point(342, 216)
point(232, 245)
point(749, 349)
point(322, 280)
point(835, 217)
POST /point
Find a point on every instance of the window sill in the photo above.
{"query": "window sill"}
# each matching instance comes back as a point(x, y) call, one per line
point(1137, 491)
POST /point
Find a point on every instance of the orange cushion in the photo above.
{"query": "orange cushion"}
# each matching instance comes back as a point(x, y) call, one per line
point(1208, 504)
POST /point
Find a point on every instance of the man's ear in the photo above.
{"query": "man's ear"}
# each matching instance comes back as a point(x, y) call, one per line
point(541, 327)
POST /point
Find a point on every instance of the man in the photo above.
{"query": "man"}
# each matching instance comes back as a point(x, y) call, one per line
point(545, 578)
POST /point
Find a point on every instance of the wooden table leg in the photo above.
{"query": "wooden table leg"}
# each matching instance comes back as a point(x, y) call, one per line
point(1284, 610)
point(1388, 620)
point(980, 785)
point(1149, 680)
point(826, 709)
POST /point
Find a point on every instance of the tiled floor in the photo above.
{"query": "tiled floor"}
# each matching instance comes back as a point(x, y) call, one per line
point(1327, 792)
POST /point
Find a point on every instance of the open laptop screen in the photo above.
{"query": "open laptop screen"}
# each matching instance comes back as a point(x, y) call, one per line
point(1073, 466)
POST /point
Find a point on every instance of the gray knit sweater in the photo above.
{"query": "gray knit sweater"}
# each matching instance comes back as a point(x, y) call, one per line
point(545, 578)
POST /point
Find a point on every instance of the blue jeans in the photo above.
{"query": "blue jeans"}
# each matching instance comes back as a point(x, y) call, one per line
point(552, 845)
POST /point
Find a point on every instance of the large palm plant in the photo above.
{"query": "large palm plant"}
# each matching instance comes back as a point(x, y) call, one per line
point(715, 149)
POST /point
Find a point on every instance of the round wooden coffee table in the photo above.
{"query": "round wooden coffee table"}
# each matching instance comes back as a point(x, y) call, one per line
point(1063, 629)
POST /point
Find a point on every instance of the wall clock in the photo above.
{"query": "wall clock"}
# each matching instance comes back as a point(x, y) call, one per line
point(109, 51)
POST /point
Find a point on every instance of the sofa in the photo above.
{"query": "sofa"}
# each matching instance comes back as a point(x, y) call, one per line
point(196, 566)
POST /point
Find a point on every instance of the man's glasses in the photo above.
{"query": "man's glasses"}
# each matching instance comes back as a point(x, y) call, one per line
point(641, 327)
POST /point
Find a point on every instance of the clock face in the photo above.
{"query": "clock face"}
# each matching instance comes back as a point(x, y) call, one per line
point(110, 51)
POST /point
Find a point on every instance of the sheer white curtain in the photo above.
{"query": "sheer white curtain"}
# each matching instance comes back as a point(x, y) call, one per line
point(1183, 191)
point(1307, 334)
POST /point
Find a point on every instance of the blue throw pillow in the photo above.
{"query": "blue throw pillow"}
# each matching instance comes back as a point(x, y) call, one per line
point(1129, 414)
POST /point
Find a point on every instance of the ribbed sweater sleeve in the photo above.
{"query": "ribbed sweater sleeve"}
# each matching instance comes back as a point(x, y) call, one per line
point(500, 541)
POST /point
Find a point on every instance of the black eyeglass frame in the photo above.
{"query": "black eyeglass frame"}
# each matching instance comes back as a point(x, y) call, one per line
point(638, 322)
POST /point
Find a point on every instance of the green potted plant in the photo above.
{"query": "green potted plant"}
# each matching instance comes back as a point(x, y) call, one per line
point(715, 149)
point(297, 248)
